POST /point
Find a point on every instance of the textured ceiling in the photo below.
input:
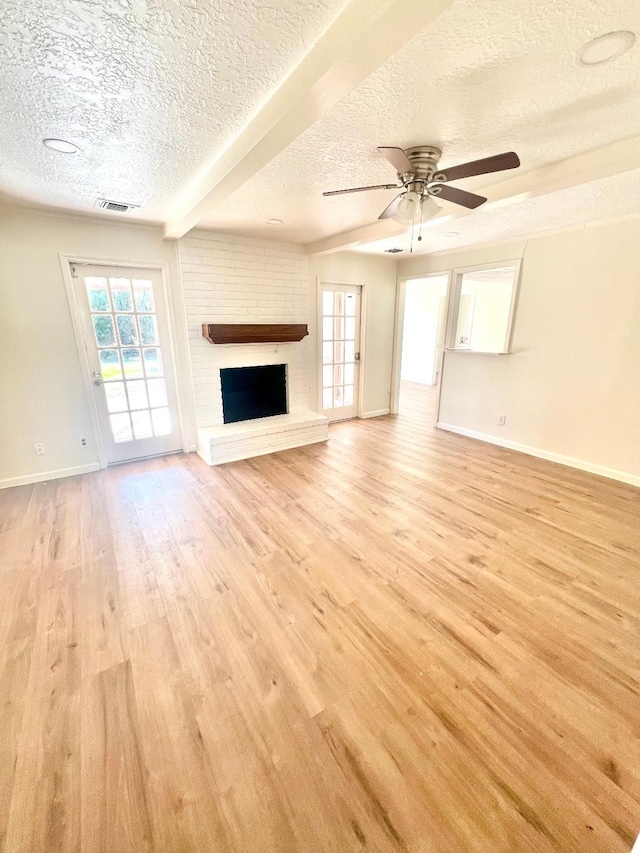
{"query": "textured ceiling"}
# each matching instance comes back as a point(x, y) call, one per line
point(486, 76)
point(607, 198)
point(152, 90)
point(149, 89)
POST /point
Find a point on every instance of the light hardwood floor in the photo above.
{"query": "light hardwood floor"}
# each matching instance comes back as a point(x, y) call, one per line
point(402, 640)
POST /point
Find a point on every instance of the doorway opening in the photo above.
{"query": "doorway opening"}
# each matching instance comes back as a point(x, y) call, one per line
point(422, 332)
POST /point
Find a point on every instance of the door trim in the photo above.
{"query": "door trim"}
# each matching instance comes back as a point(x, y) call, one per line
point(65, 262)
point(363, 342)
point(398, 333)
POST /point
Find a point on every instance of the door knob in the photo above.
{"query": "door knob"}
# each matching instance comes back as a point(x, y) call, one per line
point(97, 381)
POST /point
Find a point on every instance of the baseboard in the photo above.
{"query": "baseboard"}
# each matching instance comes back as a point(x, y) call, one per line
point(44, 476)
point(377, 414)
point(569, 461)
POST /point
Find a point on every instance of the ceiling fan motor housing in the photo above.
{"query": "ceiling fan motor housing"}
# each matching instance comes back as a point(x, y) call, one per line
point(425, 159)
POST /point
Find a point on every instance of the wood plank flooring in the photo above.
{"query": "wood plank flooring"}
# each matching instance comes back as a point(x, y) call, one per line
point(403, 640)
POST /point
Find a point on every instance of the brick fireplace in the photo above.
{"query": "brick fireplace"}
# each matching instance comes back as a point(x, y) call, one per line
point(230, 279)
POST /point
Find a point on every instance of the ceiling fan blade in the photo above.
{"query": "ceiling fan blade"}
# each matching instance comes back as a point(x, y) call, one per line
point(497, 163)
point(388, 212)
point(398, 159)
point(363, 189)
point(470, 200)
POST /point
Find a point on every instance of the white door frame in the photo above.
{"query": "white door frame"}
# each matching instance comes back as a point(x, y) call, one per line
point(65, 263)
point(398, 334)
point(363, 307)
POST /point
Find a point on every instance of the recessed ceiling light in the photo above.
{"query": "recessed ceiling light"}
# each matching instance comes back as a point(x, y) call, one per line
point(275, 221)
point(451, 233)
point(606, 47)
point(60, 145)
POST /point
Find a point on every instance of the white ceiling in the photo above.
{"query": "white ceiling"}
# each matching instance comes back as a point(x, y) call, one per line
point(154, 90)
point(486, 77)
point(149, 89)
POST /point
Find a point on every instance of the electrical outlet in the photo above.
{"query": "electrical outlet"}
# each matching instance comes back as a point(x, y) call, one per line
point(502, 419)
point(39, 449)
point(83, 442)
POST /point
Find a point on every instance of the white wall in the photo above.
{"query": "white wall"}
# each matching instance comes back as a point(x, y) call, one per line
point(230, 279)
point(423, 305)
point(42, 395)
point(42, 391)
point(571, 387)
point(378, 274)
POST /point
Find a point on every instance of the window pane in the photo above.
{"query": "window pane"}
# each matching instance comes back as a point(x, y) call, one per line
point(121, 427)
point(132, 363)
point(103, 328)
point(327, 328)
point(348, 395)
point(116, 398)
point(121, 294)
point(327, 302)
point(327, 376)
point(348, 374)
point(337, 396)
point(141, 424)
point(97, 293)
point(137, 395)
point(339, 303)
point(350, 328)
point(349, 351)
point(327, 398)
point(157, 393)
point(338, 328)
point(337, 374)
point(351, 305)
point(127, 331)
point(143, 294)
point(110, 364)
point(327, 353)
point(152, 362)
point(148, 329)
point(161, 421)
point(338, 351)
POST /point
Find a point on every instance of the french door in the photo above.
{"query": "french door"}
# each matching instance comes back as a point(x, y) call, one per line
point(340, 356)
point(125, 332)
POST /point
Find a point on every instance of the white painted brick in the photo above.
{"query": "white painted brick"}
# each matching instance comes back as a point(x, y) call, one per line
point(228, 278)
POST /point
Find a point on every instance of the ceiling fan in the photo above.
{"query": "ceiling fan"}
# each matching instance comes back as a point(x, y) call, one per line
point(421, 180)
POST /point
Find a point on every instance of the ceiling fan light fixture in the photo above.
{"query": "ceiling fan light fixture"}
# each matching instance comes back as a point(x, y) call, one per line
point(414, 208)
point(408, 208)
point(606, 47)
point(429, 208)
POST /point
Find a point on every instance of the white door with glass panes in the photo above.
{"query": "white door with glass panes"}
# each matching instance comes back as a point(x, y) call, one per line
point(340, 343)
point(125, 333)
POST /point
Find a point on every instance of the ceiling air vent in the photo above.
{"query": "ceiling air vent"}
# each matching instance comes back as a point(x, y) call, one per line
point(117, 206)
point(393, 251)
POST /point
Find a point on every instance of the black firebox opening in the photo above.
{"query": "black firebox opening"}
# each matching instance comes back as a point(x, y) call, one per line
point(253, 392)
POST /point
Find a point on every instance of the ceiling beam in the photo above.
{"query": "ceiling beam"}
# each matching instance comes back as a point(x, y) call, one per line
point(613, 159)
point(363, 36)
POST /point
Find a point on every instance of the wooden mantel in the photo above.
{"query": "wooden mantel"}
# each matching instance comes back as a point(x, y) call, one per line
point(253, 333)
